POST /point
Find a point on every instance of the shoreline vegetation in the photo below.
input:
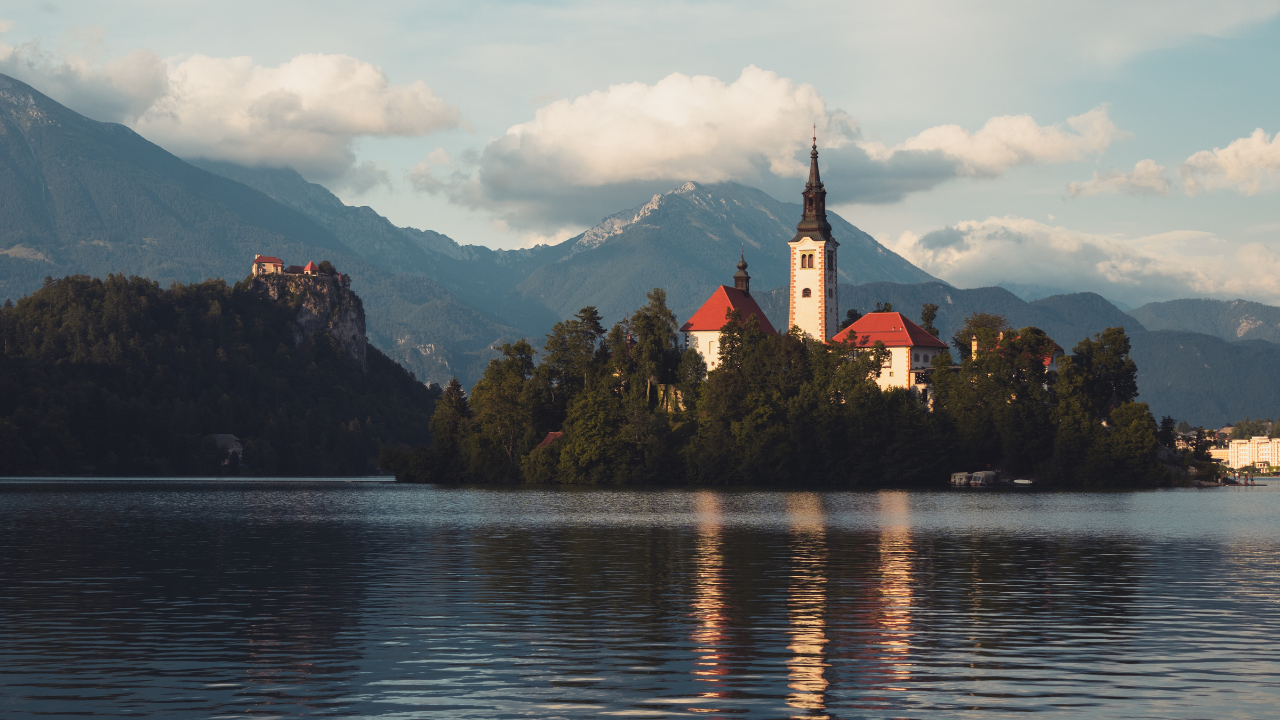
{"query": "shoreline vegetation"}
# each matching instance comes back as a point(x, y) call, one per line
point(625, 406)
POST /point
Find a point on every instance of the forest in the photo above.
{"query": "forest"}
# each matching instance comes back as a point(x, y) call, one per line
point(785, 410)
point(119, 377)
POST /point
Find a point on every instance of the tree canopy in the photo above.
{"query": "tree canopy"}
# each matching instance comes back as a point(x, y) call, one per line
point(117, 376)
point(631, 406)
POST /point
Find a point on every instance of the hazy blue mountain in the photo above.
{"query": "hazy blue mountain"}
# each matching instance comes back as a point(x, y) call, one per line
point(478, 275)
point(1228, 319)
point(1205, 379)
point(1067, 318)
point(1192, 376)
point(688, 242)
point(79, 196)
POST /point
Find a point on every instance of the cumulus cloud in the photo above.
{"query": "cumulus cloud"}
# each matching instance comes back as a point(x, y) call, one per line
point(979, 253)
point(1147, 178)
point(118, 90)
point(1248, 165)
point(305, 113)
point(1009, 141)
point(581, 158)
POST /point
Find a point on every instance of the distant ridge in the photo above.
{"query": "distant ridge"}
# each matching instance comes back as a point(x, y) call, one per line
point(1230, 320)
point(80, 196)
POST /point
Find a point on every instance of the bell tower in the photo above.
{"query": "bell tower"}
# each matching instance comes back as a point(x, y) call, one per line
point(814, 296)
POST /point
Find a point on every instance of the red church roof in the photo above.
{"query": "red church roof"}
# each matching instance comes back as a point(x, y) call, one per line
point(711, 316)
point(311, 267)
point(889, 328)
point(267, 259)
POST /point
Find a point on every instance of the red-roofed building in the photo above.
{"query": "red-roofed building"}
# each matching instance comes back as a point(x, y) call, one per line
point(551, 439)
point(702, 332)
point(267, 265)
point(311, 269)
point(911, 348)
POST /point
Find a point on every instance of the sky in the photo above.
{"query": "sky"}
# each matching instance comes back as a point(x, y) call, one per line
point(1125, 148)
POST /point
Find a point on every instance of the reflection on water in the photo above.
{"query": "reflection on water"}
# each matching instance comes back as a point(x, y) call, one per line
point(807, 604)
point(260, 600)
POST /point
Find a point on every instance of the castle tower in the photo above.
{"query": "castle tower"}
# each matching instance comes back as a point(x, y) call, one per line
point(814, 296)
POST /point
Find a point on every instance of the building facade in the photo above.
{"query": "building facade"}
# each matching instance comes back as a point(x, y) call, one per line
point(911, 348)
point(702, 332)
point(1260, 451)
point(814, 296)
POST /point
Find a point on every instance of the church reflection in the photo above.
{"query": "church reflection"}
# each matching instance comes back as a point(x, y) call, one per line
point(894, 617)
point(710, 634)
point(807, 605)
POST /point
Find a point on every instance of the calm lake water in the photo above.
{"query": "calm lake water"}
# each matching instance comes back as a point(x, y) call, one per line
point(283, 599)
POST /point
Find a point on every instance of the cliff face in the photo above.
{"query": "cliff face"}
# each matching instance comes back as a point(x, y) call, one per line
point(323, 304)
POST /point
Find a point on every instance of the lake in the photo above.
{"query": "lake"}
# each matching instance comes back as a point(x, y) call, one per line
point(260, 599)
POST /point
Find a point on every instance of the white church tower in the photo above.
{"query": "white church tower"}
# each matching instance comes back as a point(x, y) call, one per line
point(814, 294)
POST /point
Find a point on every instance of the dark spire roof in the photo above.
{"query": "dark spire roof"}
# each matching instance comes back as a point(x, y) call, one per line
point(813, 223)
point(741, 280)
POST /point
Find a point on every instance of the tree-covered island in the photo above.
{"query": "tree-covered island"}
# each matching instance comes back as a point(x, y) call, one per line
point(627, 405)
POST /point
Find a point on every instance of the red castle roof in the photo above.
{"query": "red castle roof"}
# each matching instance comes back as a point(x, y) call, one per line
point(311, 267)
point(889, 328)
point(711, 316)
point(267, 259)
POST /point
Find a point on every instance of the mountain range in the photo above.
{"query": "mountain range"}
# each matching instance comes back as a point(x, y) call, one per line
point(80, 196)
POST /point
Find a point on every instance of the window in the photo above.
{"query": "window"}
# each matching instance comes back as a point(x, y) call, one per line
point(806, 293)
point(917, 357)
point(828, 292)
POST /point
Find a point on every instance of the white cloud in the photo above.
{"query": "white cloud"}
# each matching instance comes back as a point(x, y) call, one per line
point(119, 90)
point(581, 158)
point(1248, 165)
point(979, 253)
point(1008, 141)
point(305, 113)
point(1147, 178)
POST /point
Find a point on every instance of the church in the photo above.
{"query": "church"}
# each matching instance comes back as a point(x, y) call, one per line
point(813, 301)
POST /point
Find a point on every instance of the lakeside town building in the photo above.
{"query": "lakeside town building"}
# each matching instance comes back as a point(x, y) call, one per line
point(1259, 451)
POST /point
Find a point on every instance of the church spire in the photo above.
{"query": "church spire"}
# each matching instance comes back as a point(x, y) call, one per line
point(813, 223)
point(741, 280)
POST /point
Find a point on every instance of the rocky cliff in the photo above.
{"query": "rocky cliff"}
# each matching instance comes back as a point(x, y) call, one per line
point(323, 304)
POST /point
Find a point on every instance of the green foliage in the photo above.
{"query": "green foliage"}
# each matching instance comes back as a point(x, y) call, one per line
point(851, 316)
point(987, 327)
point(1246, 428)
point(326, 267)
point(124, 378)
point(1167, 434)
point(929, 313)
point(783, 410)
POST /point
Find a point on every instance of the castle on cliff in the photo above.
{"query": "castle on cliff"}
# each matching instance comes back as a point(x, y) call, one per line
point(269, 265)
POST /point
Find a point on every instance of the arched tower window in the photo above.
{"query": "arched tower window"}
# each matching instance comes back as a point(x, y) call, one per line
point(806, 293)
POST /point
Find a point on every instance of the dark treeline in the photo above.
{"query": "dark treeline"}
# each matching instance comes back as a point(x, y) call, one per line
point(784, 410)
point(120, 377)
